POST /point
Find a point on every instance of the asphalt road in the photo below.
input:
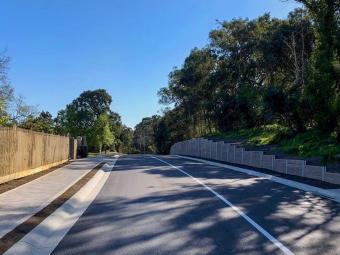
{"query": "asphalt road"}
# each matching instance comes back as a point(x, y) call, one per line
point(150, 207)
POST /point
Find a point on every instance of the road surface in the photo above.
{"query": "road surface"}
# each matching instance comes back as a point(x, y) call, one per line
point(169, 205)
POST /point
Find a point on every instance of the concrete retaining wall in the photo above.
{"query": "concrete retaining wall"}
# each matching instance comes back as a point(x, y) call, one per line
point(268, 162)
point(314, 172)
point(296, 167)
point(256, 158)
point(234, 153)
point(280, 165)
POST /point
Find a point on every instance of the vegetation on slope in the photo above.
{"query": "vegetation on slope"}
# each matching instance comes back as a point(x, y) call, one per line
point(312, 143)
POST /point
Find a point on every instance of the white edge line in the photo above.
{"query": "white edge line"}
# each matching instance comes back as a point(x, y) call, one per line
point(45, 237)
point(276, 242)
point(290, 183)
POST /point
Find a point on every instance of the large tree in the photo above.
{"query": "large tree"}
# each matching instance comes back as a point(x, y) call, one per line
point(100, 135)
point(82, 113)
point(323, 88)
point(85, 117)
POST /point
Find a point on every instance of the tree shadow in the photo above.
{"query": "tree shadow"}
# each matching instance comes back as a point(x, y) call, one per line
point(185, 218)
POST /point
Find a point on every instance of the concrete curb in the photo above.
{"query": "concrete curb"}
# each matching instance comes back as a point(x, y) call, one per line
point(44, 238)
point(333, 195)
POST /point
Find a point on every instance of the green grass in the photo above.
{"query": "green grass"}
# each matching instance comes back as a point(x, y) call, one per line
point(269, 134)
point(308, 144)
point(312, 143)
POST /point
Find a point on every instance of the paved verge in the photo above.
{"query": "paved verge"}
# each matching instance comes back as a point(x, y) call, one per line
point(18, 204)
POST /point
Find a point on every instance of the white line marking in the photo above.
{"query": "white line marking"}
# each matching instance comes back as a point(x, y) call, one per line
point(276, 242)
point(298, 185)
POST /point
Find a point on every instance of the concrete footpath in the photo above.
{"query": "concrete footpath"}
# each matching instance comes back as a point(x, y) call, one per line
point(19, 204)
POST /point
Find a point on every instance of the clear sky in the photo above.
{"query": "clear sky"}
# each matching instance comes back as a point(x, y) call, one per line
point(59, 48)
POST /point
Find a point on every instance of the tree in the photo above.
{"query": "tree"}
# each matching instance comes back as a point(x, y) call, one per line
point(190, 88)
point(82, 113)
point(258, 72)
point(13, 109)
point(42, 123)
point(162, 137)
point(116, 128)
point(100, 133)
point(126, 138)
point(61, 125)
point(323, 86)
point(144, 134)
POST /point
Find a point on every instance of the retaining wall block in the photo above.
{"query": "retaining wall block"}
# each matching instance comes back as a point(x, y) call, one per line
point(256, 158)
point(238, 155)
point(268, 162)
point(247, 158)
point(295, 167)
point(313, 172)
point(198, 146)
point(280, 165)
point(206, 148)
point(215, 150)
point(332, 177)
point(231, 153)
point(225, 148)
point(219, 151)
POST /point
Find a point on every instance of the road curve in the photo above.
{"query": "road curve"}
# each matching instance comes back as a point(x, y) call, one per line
point(170, 205)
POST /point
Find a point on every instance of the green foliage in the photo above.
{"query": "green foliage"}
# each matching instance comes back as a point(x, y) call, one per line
point(42, 123)
point(82, 113)
point(260, 80)
point(264, 135)
point(312, 143)
point(100, 134)
point(126, 138)
point(306, 144)
point(323, 80)
point(90, 115)
point(144, 135)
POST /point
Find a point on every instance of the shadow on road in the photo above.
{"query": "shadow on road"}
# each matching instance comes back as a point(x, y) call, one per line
point(185, 218)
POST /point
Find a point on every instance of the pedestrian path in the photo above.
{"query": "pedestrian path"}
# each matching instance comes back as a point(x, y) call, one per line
point(18, 204)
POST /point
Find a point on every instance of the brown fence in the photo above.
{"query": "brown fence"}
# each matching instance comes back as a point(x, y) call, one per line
point(24, 152)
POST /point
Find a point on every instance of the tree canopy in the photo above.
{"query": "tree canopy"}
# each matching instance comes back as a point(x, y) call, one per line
point(254, 73)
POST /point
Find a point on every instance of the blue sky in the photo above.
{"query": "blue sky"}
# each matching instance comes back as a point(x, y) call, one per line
point(59, 48)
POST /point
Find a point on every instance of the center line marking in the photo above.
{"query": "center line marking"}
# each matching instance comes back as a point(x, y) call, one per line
point(271, 238)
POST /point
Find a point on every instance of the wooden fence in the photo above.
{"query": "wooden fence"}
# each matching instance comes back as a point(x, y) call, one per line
point(24, 152)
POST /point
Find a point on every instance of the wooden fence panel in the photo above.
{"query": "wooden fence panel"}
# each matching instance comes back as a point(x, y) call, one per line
point(24, 152)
